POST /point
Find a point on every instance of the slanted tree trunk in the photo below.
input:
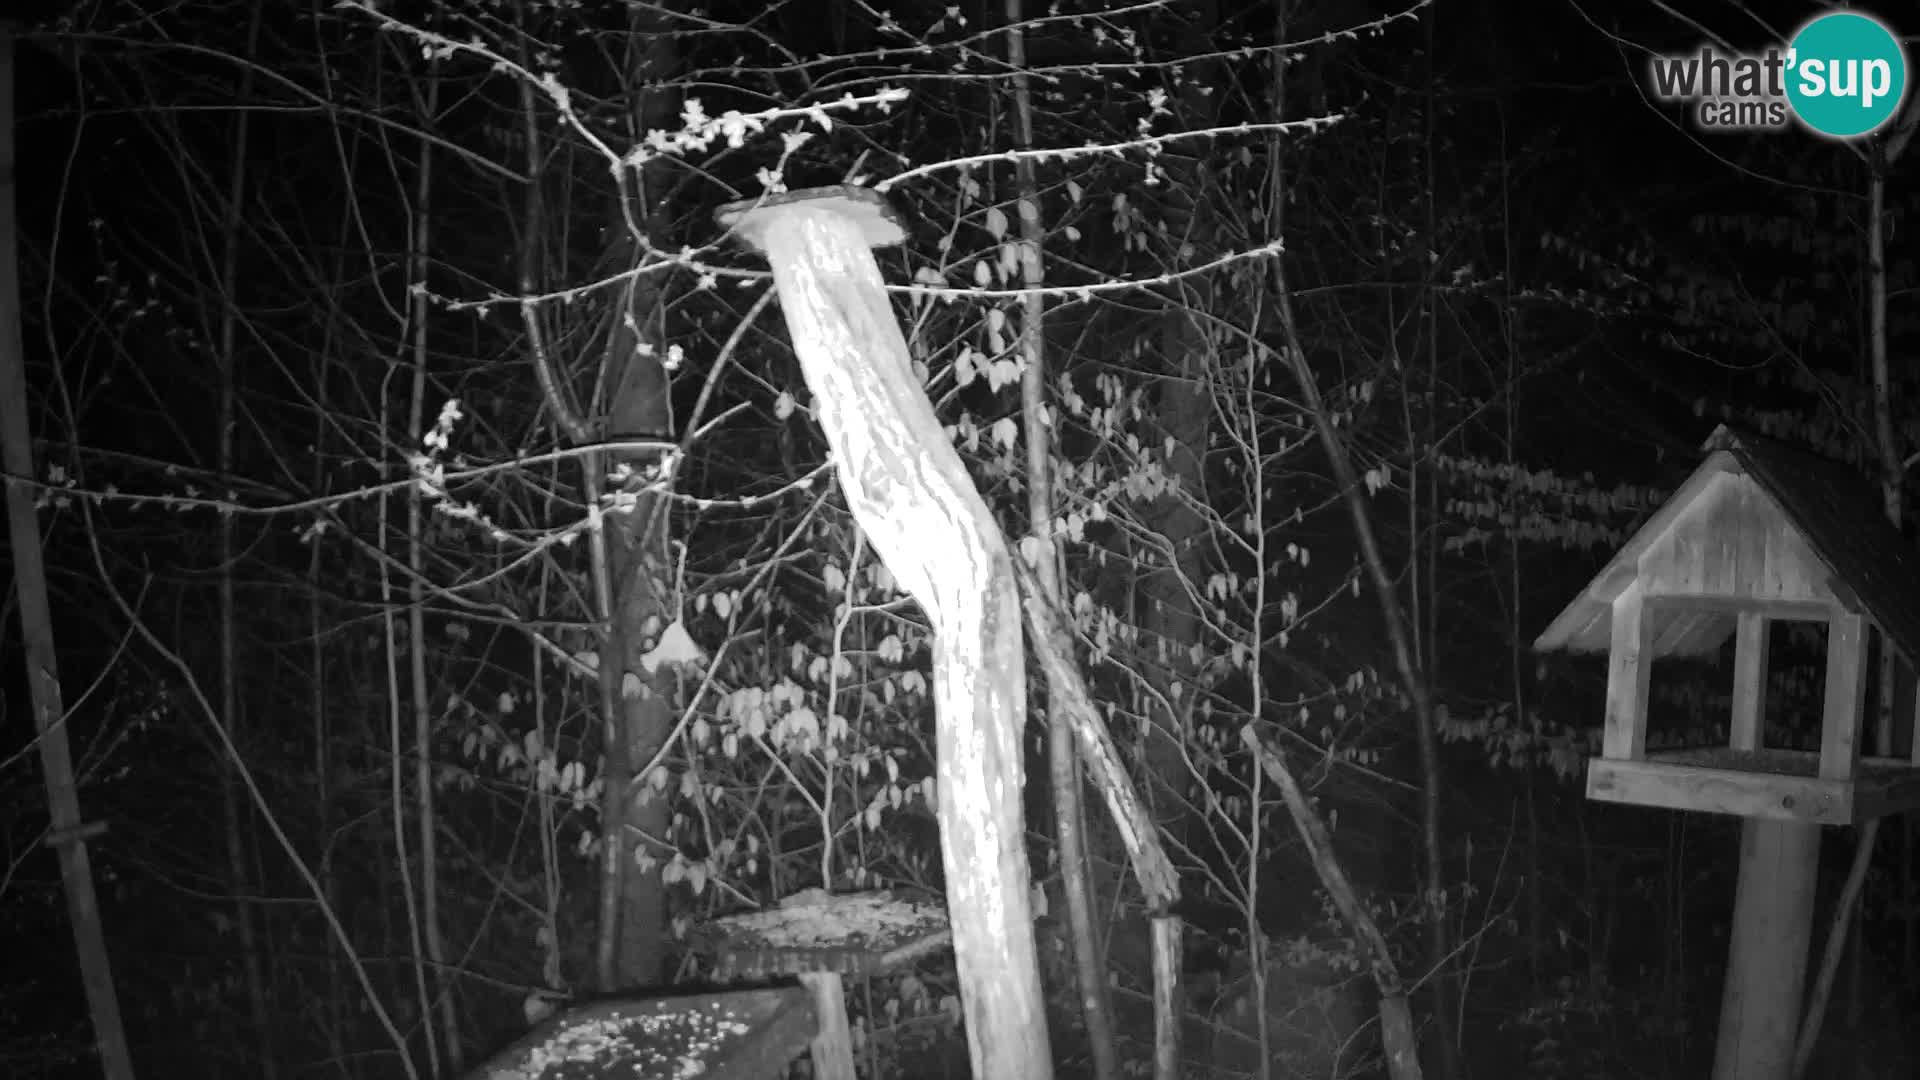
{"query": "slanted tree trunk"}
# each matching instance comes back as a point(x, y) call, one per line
point(912, 496)
point(1396, 1016)
point(1400, 634)
point(67, 835)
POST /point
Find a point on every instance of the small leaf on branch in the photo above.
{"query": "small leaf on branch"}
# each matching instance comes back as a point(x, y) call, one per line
point(1006, 433)
point(1031, 550)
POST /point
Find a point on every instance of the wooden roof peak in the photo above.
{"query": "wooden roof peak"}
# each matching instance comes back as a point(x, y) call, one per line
point(1833, 508)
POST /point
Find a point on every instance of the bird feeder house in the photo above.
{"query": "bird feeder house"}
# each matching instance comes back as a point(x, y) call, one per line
point(1759, 534)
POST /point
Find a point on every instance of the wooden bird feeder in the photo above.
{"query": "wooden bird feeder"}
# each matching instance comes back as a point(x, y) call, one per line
point(1759, 533)
point(820, 938)
point(741, 1035)
point(914, 500)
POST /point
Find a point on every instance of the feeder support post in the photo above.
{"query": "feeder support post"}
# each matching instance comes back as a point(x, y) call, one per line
point(1767, 958)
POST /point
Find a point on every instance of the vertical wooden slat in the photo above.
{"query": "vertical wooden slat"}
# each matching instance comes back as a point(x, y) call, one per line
point(1846, 694)
point(1628, 664)
point(832, 1046)
point(1913, 721)
point(1748, 725)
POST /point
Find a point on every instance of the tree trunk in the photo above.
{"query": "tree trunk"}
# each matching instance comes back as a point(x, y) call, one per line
point(1069, 811)
point(1880, 159)
point(912, 496)
point(1412, 677)
point(67, 835)
point(425, 819)
point(1185, 415)
point(637, 391)
point(1396, 1017)
point(232, 807)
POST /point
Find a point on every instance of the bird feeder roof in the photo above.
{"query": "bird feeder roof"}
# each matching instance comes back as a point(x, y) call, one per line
point(1793, 506)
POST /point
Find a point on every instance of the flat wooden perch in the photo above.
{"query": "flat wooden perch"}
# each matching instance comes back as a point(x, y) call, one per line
point(819, 938)
point(1781, 785)
point(742, 1035)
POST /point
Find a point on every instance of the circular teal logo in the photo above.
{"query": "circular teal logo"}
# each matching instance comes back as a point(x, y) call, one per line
point(1846, 74)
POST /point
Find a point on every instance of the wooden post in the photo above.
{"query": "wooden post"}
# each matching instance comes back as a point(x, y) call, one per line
point(1767, 962)
point(911, 494)
point(1749, 682)
point(1846, 696)
point(832, 1042)
point(1630, 663)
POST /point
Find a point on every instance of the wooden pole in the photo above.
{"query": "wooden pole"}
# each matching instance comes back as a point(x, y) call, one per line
point(1767, 962)
point(911, 494)
point(1773, 901)
point(67, 836)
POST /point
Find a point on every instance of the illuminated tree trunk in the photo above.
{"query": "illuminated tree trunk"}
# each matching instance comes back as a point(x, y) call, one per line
point(637, 390)
point(912, 496)
point(1069, 813)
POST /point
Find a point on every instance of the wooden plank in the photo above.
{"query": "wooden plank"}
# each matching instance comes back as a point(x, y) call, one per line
point(1572, 626)
point(1721, 791)
point(1777, 610)
point(1629, 663)
point(1846, 696)
point(1767, 962)
point(1734, 541)
point(1747, 728)
point(1913, 732)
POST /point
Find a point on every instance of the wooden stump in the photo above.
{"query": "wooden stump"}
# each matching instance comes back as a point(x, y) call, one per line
point(911, 494)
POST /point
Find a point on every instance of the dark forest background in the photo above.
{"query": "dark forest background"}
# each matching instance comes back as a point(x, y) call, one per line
point(341, 318)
